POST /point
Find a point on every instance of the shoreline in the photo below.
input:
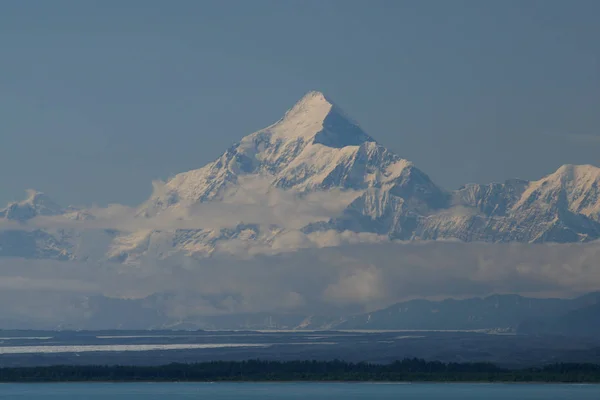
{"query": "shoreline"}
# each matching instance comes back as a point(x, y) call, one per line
point(399, 383)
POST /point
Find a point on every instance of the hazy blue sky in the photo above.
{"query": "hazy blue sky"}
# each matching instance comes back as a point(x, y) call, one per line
point(97, 98)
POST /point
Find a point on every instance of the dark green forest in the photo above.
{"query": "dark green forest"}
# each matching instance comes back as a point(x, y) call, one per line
point(413, 370)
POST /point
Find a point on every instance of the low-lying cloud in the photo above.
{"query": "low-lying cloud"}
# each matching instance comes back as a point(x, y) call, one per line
point(333, 281)
point(324, 272)
point(252, 201)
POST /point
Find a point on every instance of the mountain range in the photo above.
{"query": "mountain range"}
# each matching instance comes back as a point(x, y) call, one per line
point(313, 178)
point(495, 314)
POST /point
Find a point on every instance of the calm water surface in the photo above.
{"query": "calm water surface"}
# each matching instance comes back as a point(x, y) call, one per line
point(311, 391)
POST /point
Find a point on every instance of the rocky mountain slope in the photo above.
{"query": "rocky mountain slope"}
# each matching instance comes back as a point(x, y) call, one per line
point(502, 314)
point(497, 312)
point(322, 181)
point(583, 320)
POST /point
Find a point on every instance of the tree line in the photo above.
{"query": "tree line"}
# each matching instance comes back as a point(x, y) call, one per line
point(413, 370)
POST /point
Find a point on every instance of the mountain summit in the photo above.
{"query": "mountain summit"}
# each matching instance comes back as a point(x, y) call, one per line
point(315, 117)
point(326, 180)
point(36, 204)
point(314, 147)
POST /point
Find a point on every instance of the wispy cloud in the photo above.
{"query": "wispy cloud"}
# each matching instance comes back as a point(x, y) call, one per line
point(253, 201)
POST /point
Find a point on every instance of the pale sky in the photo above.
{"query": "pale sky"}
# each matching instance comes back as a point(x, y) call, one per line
point(98, 98)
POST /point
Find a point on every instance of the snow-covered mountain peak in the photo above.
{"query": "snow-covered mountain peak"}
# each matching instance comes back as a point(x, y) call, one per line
point(37, 197)
point(571, 172)
point(36, 203)
point(315, 146)
point(312, 106)
point(574, 179)
point(312, 174)
point(315, 118)
point(561, 207)
point(572, 187)
point(304, 120)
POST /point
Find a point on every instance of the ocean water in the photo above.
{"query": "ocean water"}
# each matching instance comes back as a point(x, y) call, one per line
point(311, 391)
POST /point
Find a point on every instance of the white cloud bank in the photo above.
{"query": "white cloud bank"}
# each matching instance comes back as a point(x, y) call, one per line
point(334, 280)
point(321, 273)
